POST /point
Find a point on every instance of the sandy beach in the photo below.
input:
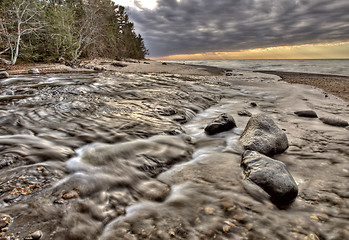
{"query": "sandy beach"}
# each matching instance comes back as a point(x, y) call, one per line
point(124, 153)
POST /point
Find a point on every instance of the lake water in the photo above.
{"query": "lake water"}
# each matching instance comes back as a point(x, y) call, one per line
point(323, 66)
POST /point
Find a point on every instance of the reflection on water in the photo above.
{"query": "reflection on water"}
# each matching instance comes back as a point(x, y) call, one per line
point(111, 156)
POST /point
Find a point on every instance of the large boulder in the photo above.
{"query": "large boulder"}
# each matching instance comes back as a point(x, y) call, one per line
point(271, 175)
point(222, 123)
point(4, 75)
point(263, 135)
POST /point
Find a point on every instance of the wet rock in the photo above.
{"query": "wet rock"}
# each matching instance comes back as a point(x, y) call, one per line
point(245, 113)
point(33, 71)
point(306, 113)
point(271, 175)
point(73, 66)
point(229, 74)
point(263, 135)
point(222, 123)
point(4, 75)
point(334, 122)
point(164, 63)
point(118, 64)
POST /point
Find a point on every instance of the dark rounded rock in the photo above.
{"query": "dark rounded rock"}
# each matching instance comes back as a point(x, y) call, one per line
point(271, 175)
point(253, 104)
point(263, 135)
point(229, 74)
point(306, 113)
point(4, 75)
point(164, 63)
point(334, 122)
point(222, 123)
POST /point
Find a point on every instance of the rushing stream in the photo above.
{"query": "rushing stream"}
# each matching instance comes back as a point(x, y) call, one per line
point(115, 156)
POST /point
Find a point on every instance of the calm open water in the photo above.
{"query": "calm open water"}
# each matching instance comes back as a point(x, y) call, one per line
point(323, 66)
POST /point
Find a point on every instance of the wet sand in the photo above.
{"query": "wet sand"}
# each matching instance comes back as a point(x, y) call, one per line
point(111, 155)
point(336, 85)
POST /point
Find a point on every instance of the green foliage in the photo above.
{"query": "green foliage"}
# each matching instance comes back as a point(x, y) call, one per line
point(77, 28)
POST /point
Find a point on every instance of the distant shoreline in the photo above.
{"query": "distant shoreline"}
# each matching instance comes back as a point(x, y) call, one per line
point(333, 84)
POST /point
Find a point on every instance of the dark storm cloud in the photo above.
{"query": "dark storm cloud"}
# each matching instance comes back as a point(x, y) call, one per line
point(195, 26)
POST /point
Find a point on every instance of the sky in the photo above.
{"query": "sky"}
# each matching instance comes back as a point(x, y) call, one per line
point(242, 29)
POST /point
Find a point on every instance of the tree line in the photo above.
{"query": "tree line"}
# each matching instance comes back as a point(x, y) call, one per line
point(52, 30)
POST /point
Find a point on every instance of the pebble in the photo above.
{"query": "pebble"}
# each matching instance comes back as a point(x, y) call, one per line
point(34, 71)
point(36, 235)
point(72, 194)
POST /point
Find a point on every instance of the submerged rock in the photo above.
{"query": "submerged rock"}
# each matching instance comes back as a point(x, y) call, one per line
point(4, 75)
point(334, 122)
point(222, 123)
point(263, 135)
point(306, 113)
point(271, 175)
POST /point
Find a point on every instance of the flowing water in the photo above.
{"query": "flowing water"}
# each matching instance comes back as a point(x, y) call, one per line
point(112, 156)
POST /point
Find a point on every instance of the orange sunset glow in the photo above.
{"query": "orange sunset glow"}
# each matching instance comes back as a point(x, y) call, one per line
point(307, 51)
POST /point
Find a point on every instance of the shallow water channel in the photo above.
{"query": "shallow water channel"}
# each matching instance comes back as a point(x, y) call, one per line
point(115, 156)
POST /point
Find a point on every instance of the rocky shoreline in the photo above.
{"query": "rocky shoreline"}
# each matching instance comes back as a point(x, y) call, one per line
point(171, 152)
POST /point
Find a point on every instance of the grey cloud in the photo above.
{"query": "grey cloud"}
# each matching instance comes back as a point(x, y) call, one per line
point(194, 26)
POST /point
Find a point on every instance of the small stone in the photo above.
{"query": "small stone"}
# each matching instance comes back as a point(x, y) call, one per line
point(245, 113)
point(249, 226)
point(36, 235)
point(253, 104)
point(229, 74)
point(209, 210)
point(226, 228)
point(239, 218)
point(118, 64)
point(322, 217)
point(4, 75)
point(222, 123)
point(306, 113)
point(311, 236)
point(72, 194)
point(334, 122)
point(33, 71)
